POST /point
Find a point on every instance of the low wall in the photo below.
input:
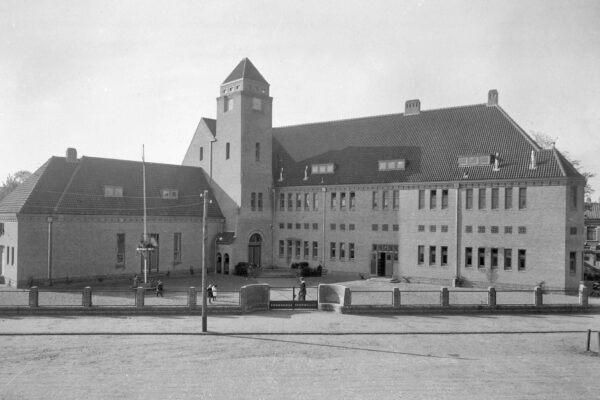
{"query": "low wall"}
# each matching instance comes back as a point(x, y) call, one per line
point(254, 297)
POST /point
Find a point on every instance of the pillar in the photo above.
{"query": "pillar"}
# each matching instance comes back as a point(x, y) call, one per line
point(396, 299)
point(445, 297)
point(87, 296)
point(33, 297)
point(583, 295)
point(491, 297)
point(139, 297)
point(192, 298)
point(538, 296)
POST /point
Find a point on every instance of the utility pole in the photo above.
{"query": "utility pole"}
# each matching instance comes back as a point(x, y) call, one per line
point(204, 241)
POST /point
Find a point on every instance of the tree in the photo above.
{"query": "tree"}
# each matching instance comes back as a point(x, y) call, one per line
point(12, 181)
point(547, 142)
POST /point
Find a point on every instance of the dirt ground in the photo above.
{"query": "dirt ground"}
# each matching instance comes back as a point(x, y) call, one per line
point(300, 355)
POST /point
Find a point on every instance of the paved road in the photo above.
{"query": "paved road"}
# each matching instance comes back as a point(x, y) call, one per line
point(292, 355)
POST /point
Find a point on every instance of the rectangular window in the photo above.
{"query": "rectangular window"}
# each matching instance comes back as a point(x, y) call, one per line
point(351, 227)
point(445, 228)
point(482, 199)
point(333, 200)
point(351, 251)
point(508, 229)
point(257, 152)
point(421, 255)
point(508, 195)
point(468, 257)
point(522, 259)
point(432, 199)
point(573, 230)
point(12, 255)
point(522, 198)
point(281, 249)
point(227, 150)
point(332, 250)
point(522, 230)
point(306, 201)
point(306, 225)
point(1, 229)
point(342, 251)
point(421, 199)
point(298, 244)
point(253, 201)
point(315, 201)
point(342, 227)
point(469, 199)
point(315, 250)
point(170, 193)
point(591, 233)
point(481, 229)
point(507, 259)
point(384, 227)
point(315, 226)
point(395, 227)
point(281, 225)
point(396, 199)
point(289, 225)
point(201, 153)
point(421, 228)
point(298, 225)
point(352, 200)
point(574, 197)
point(306, 250)
point(444, 255)
point(374, 227)
point(289, 249)
point(481, 257)
point(494, 229)
point(432, 253)
point(385, 200)
point(332, 227)
point(120, 248)
point(290, 205)
point(342, 200)
point(444, 199)
point(375, 201)
point(572, 262)
point(494, 259)
point(260, 202)
point(298, 201)
point(113, 191)
point(432, 228)
point(469, 229)
point(281, 201)
point(495, 194)
point(177, 247)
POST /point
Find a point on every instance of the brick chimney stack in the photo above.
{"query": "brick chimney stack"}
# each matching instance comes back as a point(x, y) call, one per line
point(492, 98)
point(71, 155)
point(412, 107)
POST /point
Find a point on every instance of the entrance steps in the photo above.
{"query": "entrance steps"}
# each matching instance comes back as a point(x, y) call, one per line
point(277, 272)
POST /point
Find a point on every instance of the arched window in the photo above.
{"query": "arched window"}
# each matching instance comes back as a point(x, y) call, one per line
point(226, 264)
point(218, 262)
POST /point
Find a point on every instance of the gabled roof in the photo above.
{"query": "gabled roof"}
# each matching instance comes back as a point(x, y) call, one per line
point(245, 69)
point(61, 187)
point(430, 142)
point(211, 124)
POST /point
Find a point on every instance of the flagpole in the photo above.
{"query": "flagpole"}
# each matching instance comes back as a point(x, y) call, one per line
point(145, 253)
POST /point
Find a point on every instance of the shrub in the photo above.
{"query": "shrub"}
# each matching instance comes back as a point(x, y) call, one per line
point(305, 270)
point(241, 269)
point(294, 265)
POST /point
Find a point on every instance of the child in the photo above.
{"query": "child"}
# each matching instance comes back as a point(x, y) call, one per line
point(159, 288)
point(214, 292)
point(209, 293)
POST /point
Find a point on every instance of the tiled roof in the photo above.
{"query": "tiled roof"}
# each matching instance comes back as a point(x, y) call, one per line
point(77, 188)
point(245, 69)
point(592, 210)
point(430, 142)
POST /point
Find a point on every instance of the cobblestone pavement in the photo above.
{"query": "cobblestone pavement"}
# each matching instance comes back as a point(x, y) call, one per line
point(292, 355)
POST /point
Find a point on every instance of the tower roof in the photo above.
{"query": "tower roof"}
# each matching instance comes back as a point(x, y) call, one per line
point(245, 69)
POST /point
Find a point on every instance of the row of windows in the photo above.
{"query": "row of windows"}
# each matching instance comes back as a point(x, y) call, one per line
point(385, 227)
point(481, 198)
point(117, 191)
point(381, 200)
point(306, 201)
point(482, 259)
point(433, 255)
point(433, 199)
point(302, 249)
point(121, 248)
point(384, 200)
point(341, 227)
point(256, 201)
point(495, 229)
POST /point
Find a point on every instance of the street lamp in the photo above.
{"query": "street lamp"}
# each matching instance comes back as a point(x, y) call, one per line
point(204, 197)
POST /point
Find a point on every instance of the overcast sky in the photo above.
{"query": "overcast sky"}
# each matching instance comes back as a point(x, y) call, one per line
point(106, 76)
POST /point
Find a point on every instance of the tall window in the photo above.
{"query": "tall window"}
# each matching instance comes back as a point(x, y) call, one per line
point(375, 201)
point(260, 202)
point(315, 201)
point(396, 199)
point(306, 201)
point(298, 249)
point(350, 251)
point(421, 254)
point(508, 195)
point(281, 249)
point(253, 201)
point(201, 153)
point(444, 260)
point(495, 192)
point(468, 257)
point(315, 250)
point(572, 262)
point(432, 199)
point(342, 250)
point(282, 201)
point(343, 201)
point(227, 149)
point(482, 198)
point(333, 200)
point(444, 198)
point(289, 249)
point(385, 200)
point(574, 196)
point(352, 200)
point(507, 259)
point(522, 258)
point(522, 198)
point(494, 259)
point(298, 201)
point(257, 152)
point(290, 202)
point(469, 199)
point(332, 250)
point(432, 253)
point(177, 247)
point(306, 249)
point(421, 199)
point(120, 248)
point(481, 257)
point(591, 233)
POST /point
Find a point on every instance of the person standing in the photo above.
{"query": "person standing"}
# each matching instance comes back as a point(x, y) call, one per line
point(209, 293)
point(136, 281)
point(159, 288)
point(214, 292)
point(302, 292)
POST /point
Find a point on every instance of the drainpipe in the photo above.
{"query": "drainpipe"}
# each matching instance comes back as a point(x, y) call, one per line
point(458, 229)
point(49, 220)
point(324, 190)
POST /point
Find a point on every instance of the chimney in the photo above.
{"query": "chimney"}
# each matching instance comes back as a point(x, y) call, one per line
point(71, 155)
point(492, 98)
point(412, 107)
point(532, 163)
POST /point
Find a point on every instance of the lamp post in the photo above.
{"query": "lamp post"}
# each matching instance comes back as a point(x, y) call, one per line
point(204, 196)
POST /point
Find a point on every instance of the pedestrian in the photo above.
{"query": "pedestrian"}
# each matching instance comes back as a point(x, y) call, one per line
point(302, 292)
point(209, 293)
point(159, 288)
point(136, 281)
point(214, 292)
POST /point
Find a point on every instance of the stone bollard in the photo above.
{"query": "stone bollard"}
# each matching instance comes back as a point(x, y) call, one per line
point(538, 296)
point(347, 297)
point(396, 299)
point(491, 296)
point(140, 292)
point(33, 297)
point(87, 296)
point(583, 295)
point(445, 297)
point(192, 298)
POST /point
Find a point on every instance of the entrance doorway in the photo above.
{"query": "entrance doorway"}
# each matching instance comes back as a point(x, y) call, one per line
point(218, 269)
point(382, 259)
point(153, 256)
point(254, 249)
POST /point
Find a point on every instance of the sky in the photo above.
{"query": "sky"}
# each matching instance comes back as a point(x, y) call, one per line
point(107, 76)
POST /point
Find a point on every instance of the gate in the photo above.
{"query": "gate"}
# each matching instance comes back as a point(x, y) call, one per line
point(284, 298)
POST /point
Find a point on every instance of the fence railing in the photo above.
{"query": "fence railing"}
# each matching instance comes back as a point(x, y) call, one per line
point(291, 293)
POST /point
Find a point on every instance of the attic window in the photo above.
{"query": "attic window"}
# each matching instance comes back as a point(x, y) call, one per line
point(478, 160)
point(322, 168)
point(388, 165)
point(170, 194)
point(113, 191)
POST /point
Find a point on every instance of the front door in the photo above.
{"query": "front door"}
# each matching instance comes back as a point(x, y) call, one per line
point(152, 255)
point(254, 249)
point(381, 258)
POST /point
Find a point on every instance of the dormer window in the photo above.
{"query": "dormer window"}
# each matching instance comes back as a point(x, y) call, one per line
point(322, 168)
point(478, 160)
point(113, 191)
point(390, 165)
point(170, 194)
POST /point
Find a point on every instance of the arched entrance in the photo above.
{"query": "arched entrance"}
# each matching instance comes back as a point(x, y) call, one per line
point(218, 261)
point(226, 264)
point(254, 249)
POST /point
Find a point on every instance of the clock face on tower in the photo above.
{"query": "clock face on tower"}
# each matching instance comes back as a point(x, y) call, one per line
point(256, 104)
